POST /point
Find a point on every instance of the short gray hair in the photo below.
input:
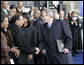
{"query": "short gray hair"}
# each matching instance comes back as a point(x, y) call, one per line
point(49, 12)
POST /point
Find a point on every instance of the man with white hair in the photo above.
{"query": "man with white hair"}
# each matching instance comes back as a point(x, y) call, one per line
point(58, 40)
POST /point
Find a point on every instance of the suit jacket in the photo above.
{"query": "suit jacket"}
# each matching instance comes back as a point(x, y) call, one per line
point(3, 13)
point(37, 24)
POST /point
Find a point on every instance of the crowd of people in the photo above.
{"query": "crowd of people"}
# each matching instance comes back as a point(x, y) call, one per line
point(38, 36)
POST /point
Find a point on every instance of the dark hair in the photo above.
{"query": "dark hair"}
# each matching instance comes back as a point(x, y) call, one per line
point(26, 15)
point(12, 6)
point(15, 17)
point(3, 17)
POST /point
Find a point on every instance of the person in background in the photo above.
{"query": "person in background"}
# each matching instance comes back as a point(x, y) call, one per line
point(61, 17)
point(55, 15)
point(20, 8)
point(35, 8)
point(12, 11)
point(69, 14)
point(4, 10)
point(31, 12)
point(76, 34)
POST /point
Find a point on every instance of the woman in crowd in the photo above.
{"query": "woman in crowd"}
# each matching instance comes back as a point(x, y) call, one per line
point(29, 37)
point(6, 42)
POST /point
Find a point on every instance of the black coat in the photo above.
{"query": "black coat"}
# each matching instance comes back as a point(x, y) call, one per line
point(19, 42)
point(37, 24)
point(76, 34)
point(40, 42)
point(59, 30)
point(29, 33)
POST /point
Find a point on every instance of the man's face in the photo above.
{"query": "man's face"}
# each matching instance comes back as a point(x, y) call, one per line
point(36, 14)
point(4, 5)
point(20, 4)
point(45, 17)
point(61, 15)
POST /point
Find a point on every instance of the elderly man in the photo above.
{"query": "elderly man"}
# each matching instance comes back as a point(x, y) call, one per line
point(58, 40)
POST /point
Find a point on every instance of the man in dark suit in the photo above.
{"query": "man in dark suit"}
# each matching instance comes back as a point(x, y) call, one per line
point(4, 10)
point(18, 37)
point(40, 43)
point(61, 17)
point(52, 31)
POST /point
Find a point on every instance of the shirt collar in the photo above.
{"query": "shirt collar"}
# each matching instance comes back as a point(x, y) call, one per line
point(51, 21)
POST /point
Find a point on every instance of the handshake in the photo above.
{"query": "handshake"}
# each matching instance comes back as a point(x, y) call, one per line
point(16, 51)
point(37, 50)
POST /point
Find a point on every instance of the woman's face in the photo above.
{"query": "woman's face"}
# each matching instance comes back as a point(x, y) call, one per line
point(25, 22)
point(5, 23)
point(13, 10)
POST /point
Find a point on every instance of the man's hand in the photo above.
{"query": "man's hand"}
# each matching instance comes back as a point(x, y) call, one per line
point(65, 50)
point(30, 57)
point(43, 51)
point(16, 51)
point(37, 50)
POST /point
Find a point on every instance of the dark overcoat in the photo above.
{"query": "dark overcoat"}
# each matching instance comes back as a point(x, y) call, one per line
point(58, 30)
point(29, 33)
point(76, 35)
point(40, 42)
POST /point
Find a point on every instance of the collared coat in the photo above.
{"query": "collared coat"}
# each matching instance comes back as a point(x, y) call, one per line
point(58, 30)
